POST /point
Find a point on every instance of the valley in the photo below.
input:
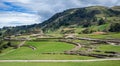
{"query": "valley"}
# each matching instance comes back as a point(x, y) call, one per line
point(78, 36)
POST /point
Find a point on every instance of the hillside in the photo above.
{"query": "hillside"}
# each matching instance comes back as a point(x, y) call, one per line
point(82, 34)
point(25, 29)
point(85, 17)
point(82, 20)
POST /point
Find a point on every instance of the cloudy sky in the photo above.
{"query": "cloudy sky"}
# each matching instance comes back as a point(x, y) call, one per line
point(26, 12)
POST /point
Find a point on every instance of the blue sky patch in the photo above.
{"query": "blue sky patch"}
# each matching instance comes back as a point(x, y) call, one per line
point(13, 7)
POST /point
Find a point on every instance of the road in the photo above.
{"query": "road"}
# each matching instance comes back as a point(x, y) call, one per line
point(92, 60)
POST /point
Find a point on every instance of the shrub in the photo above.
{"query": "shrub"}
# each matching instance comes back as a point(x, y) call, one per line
point(87, 31)
point(101, 21)
point(115, 27)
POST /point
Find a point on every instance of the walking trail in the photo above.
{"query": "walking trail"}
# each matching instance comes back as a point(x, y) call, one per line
point(92, 60)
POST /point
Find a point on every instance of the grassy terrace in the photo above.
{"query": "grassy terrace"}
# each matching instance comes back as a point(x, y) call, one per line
point(107, 36)
point(50, 46)
point(109, 48)
point(42, 47)
point(102, 63)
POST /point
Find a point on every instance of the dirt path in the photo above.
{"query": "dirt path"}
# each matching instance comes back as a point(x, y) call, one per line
point(93, 60)
point(33, 48)
point(111, 42)
point(21, 44)
point(77, 47)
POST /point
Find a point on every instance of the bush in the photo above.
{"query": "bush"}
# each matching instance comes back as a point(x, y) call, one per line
point(5, 46)
point(115, 27)
point(9, 44)
point(101, 21)
point(87, 31)
point(0, 51)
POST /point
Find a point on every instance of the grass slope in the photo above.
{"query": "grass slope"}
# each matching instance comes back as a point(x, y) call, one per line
point(28, 53)
point(109, 48)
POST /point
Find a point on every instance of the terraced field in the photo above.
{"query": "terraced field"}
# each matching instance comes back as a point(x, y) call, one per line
point(109, 48)
point(103, 36)
point(55, 49)
point(42, 47)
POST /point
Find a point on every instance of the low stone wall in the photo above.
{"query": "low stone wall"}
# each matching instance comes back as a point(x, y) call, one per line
point(91, 54)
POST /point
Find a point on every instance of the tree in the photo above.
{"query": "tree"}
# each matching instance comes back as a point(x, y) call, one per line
point(94, 19)
point(115, 27)
point(8, 33)
point(87, 31)
point(86, 24)
point(101, 21)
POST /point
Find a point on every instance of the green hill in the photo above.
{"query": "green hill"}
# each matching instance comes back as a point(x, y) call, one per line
point(104, 17)
point(82, 20)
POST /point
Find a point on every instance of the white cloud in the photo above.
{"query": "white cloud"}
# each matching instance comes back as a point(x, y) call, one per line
point(46, 9)
point(17, 18)
point(106, 1)
point(49, 7)
point(19, 1)
point(53, 6)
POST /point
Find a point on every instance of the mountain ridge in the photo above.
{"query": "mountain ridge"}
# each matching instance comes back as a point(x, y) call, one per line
point(80, 16)
point(84, 17)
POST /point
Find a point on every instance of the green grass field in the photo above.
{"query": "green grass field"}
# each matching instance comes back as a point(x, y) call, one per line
point(51, 46)
point(101, 63)
point(107, 36)
point(109, 48)
point(42, 47)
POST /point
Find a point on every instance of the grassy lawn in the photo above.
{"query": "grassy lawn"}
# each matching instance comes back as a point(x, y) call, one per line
point(15, 42)
point(50, 46)
point(41, 47)
point(101, 63)
point(107, 36)
point(109, 48)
